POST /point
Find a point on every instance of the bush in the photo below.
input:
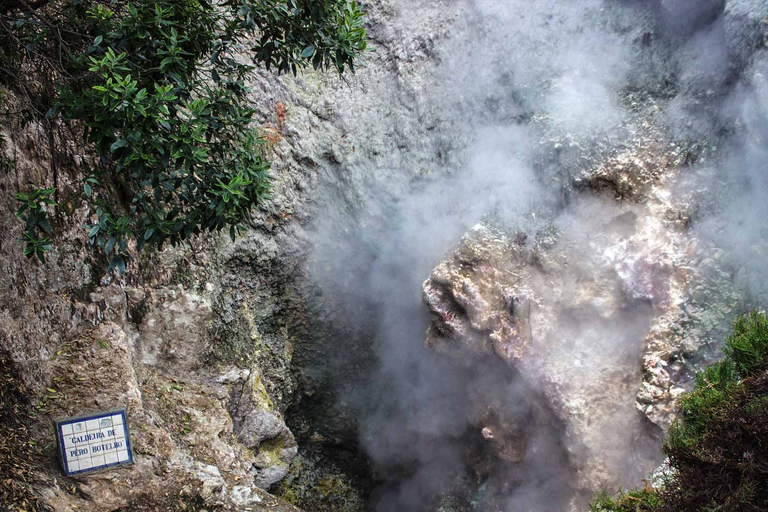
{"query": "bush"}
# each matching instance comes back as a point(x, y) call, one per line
point(718, 448)
point(159, 90)
point(747, 347)
point(632, 501)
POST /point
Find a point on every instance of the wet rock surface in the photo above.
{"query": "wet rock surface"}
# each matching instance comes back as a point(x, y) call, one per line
point(261, 428)
point(589, 336)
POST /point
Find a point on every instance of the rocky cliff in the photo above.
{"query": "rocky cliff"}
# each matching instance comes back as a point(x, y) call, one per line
point(291, 359)
point(217, 347)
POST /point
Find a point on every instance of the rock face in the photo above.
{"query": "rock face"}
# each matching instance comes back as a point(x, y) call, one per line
point(578, 308)
point(603, 306)
point(260, 427)
point(479, 303)
point(225, 345)
point(217, 343)
point(494, 297)
point(196, 343)
point(184, 439)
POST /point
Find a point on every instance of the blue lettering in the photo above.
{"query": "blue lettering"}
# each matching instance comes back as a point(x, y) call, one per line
point(103, 447)
point(88, 437)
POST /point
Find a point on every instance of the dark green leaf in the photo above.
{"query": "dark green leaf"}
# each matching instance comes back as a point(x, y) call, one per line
point(308, 51)
point(117, 145)
point(113, 262)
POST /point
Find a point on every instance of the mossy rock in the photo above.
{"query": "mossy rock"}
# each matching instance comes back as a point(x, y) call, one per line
point(318, 489)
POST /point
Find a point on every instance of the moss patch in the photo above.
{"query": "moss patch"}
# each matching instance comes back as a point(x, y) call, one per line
point(270, 452)
point(260, 395)
point(317, 490)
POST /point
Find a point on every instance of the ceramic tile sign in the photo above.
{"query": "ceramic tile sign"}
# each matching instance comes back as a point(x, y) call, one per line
point(95, 441)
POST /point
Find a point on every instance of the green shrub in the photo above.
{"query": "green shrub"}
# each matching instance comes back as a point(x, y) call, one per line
point(718, 448)
point(702, 407)
point(159, 90)
point(747, 347)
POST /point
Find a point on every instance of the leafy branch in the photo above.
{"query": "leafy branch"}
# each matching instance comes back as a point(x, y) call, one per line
point(33, 211)
point(159, 89)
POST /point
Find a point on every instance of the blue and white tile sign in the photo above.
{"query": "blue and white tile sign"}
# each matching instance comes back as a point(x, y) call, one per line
point(92, 442)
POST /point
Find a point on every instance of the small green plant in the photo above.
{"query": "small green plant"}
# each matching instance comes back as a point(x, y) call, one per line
point(159, 89)
point(700, 408)
point(33, 211)
point(645, 500)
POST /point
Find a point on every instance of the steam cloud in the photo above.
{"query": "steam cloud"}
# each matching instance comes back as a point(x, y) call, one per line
point(513, 77)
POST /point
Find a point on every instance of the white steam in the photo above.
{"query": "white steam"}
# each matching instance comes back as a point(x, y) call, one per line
point(522, 90)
